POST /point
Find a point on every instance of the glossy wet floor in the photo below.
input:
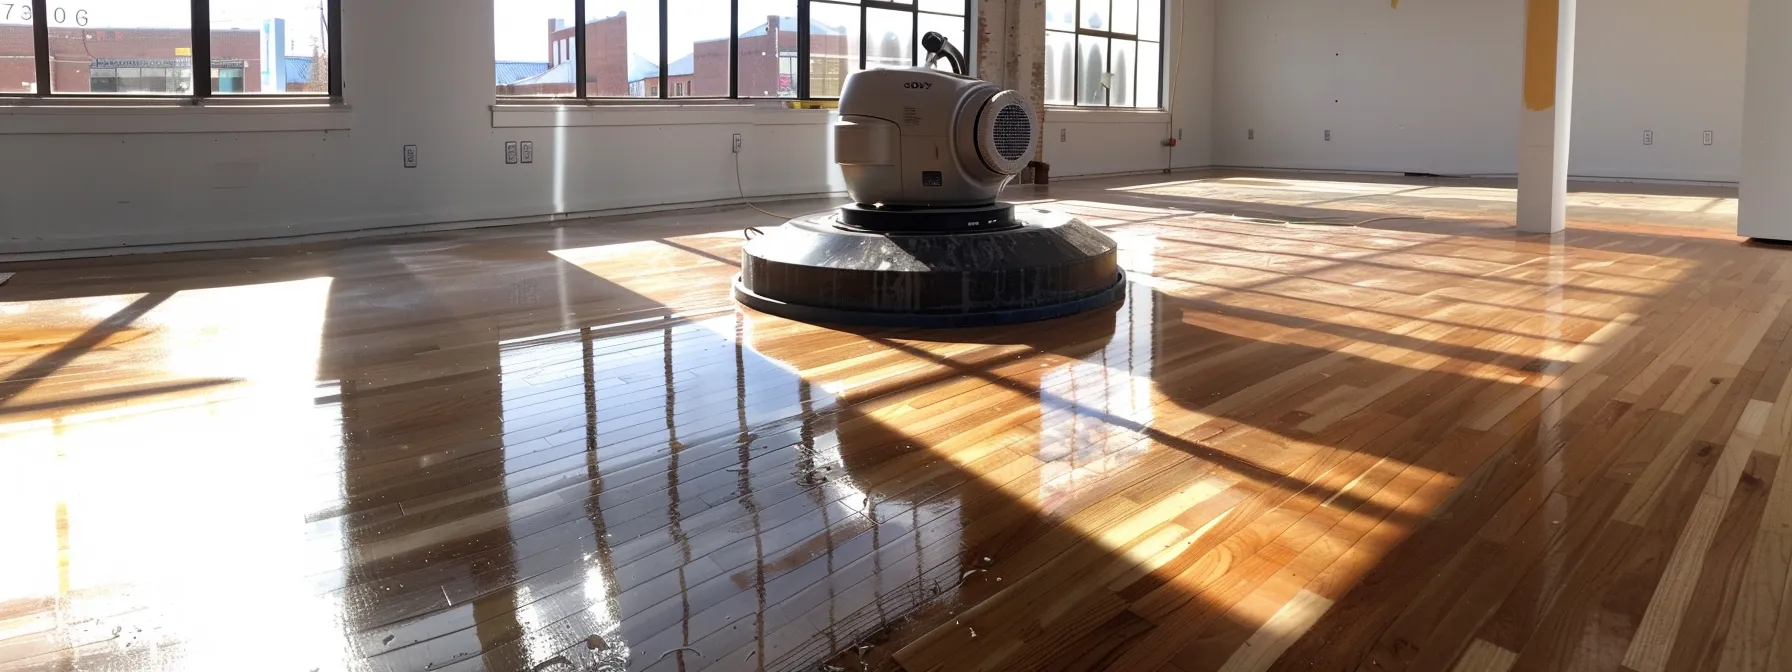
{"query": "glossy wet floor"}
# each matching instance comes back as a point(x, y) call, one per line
point(1411, 444)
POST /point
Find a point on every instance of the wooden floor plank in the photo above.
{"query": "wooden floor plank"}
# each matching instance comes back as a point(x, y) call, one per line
point(1697, 646)
point(1483, 656)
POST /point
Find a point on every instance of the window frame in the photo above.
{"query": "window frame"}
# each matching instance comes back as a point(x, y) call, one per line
point(1076, 81)
point(581, 90)
point(201, 29)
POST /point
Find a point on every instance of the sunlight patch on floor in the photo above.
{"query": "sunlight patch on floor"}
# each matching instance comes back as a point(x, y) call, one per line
point(106, 502)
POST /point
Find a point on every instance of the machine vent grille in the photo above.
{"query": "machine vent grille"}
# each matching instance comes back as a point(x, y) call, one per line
point(1013, 131)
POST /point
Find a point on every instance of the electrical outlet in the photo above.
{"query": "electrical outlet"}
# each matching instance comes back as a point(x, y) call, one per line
point(510, 152)
point(1063, 134)
point(410, 156)
point(1648, 137)
point(1250, 134)
point(1178, 134)
point(1328, 135)
point(528, 148)
point(736, 143)
point(1710, 137)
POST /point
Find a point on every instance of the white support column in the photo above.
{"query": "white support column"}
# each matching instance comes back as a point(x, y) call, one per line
point(1766, 209)
point(1548, 105)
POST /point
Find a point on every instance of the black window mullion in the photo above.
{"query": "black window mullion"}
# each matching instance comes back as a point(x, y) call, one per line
point(914, 37)
point(970, 58)
point(202, 49)
point(40, 35)
point(803, 50)
point(734, 49)
point(864, 39)
point(578, 48)
point(1076, 55)
point(333, 10)
point(1163, 82)
point(665, 67)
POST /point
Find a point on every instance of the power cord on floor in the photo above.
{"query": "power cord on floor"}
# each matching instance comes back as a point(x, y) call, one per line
point(743, 195)
point(1167, 92)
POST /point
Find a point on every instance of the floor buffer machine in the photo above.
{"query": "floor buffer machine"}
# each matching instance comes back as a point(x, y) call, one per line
point(925, 244)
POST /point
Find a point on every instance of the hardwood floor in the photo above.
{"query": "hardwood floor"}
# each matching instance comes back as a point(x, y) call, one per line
point(1419, 444)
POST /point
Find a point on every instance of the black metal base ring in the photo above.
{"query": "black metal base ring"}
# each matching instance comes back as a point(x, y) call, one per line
point(900, 220)
point(816, 314)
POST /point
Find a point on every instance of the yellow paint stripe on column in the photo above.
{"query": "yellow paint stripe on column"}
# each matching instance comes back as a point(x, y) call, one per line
point(1541, 25)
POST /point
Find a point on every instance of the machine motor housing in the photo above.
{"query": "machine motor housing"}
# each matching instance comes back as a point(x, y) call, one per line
point(922, 138)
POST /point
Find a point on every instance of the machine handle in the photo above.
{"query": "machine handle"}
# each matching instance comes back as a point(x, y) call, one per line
point(938, 46)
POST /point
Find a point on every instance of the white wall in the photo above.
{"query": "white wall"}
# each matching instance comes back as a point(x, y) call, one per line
point(1433, 86)
point(1670, 66)
point(417, 72)
point(1429, 87)
point(1100, 142)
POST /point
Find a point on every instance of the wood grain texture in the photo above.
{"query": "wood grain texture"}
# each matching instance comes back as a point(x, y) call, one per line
point(1278, 632)
point(1414, 444)
point(1485, 657)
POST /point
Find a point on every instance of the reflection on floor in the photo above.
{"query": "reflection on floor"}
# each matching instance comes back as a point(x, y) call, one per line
point(1414, 444)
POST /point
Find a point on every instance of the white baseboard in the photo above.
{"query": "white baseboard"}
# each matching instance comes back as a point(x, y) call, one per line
point(333, 231)
point(1128, 173)
point(1491, 176)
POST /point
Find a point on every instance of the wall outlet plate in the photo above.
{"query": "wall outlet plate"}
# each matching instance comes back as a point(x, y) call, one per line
point(1328, 135)
point(1648, 137)
point(510, 152)
point(1710, 137)
point(736, 143)
point(1250, 134)
point(528, 150)
point(410, 156)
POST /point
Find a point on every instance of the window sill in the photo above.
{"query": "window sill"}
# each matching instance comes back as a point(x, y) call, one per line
point(571, 114)
point(1105, 115)
point(123, 116)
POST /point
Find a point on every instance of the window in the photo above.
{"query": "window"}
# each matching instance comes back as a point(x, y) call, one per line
point(1103, 53)
point(18, 49)
point(710, 48)
point(149, 47)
